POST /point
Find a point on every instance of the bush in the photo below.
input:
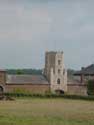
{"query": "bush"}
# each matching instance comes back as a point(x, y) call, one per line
point(90, 87)
point(77, 97)
point(21, 91)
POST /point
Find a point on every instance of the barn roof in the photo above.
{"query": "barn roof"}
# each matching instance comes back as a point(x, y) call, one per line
point(26, 79)
point(89, 70)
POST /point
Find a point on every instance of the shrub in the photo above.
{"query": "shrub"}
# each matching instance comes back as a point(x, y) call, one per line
point(20, 91)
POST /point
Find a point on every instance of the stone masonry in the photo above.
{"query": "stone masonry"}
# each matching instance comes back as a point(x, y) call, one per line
point(55, 71)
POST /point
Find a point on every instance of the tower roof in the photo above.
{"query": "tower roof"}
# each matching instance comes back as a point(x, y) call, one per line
point(54, 52)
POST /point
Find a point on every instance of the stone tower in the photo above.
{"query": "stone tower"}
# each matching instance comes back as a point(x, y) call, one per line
point(55, 71)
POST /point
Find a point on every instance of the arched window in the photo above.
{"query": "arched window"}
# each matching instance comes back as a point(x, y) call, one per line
point(58, 81)
point(58, 91)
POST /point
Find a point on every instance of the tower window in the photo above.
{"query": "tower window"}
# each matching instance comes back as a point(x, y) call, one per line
point(58, 81)
point(59, 62)
point(64, 72)
point(59, 71)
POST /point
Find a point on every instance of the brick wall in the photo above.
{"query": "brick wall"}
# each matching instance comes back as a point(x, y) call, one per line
point(77, 89)
point(33, 88)
point(73, 89)
point(2, 77)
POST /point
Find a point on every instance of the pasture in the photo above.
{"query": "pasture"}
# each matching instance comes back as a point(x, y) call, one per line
point(35, 111)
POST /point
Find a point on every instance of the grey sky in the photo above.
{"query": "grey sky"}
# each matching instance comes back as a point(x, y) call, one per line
point(28, 28)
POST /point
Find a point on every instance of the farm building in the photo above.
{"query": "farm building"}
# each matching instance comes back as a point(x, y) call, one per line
point(54, 78)
point(85, 74)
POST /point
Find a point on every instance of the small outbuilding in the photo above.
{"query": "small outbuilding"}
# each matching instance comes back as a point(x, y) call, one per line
point(85, 74)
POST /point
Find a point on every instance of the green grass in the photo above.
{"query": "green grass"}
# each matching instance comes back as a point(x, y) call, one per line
point(46, 112)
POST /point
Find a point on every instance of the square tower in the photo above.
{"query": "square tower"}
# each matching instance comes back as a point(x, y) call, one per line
point(55, 71)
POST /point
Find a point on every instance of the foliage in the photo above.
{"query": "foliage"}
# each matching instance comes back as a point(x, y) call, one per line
point(20, 90)
point(24, 71)
point(49, 95)
point(90, 87)
point(19, 72)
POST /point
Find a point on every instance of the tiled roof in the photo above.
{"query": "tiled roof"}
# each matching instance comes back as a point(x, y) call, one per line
point(26, 79)
point(86, 71)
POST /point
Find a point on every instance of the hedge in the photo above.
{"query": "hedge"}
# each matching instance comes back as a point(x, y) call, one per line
point(50, 96)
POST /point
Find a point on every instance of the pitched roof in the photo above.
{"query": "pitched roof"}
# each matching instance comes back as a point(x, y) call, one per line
point(86, 71)
point(26, 79)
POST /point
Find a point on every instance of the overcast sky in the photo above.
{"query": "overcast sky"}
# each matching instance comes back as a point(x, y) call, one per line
point(28, 28)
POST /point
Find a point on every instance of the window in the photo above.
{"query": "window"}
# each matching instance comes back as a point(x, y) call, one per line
point(64, 72)
point(59, 62)
point(59, 71)
point(58, 81)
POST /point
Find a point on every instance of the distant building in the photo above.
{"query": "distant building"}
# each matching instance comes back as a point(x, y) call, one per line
point(85, 74)
point(78, 85)
point(54, 78)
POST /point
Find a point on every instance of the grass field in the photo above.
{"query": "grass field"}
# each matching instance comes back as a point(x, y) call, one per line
point(46, 112)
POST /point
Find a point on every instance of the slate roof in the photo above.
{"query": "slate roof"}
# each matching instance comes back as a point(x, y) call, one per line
point(26, 79)
point(86, 71)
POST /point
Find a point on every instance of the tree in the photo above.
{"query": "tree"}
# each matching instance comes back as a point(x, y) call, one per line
point(90, 87)
point(19, 72)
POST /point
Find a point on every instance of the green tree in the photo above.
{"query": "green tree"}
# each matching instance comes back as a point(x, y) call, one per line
point(90, 87)
point(19, 72)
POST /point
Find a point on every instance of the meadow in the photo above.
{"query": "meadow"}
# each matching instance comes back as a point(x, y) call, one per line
point(35, 111)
